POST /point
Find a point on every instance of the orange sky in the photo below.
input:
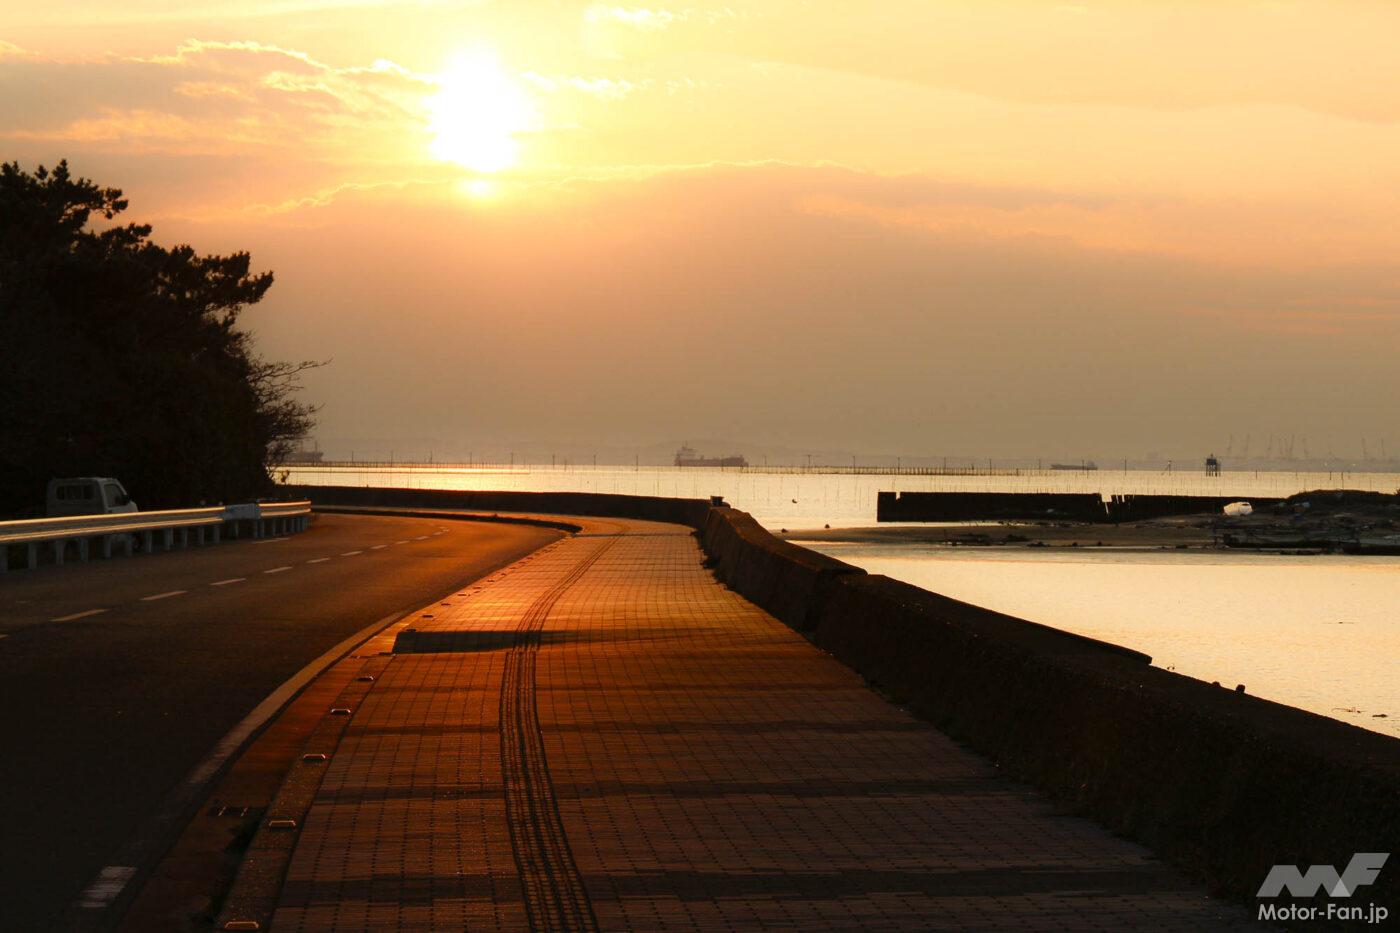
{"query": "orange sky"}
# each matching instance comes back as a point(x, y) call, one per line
point(994, 226)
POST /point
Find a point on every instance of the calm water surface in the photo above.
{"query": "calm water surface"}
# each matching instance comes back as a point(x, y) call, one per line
point(1321, 633)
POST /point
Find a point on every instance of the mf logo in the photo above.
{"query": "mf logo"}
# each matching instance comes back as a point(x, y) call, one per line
point(1362, 869)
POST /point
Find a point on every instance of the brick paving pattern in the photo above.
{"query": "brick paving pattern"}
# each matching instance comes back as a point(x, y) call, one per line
point(603, 737)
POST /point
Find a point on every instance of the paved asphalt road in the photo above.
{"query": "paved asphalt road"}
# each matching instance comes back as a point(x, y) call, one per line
point(118, 677)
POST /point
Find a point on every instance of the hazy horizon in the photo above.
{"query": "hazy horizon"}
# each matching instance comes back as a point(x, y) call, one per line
point(1001, 228)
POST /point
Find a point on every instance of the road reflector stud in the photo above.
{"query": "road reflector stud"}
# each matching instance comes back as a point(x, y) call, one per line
point(242, 925)
point(315, 756)
point(340, 711)
point(282, 825)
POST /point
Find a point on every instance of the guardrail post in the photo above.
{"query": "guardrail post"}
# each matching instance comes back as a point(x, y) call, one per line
point(183, 534)
point(106, 546)
point(4, 558)
point(82, 550)
point(128, 544)
point(148, 541)
point(169, 537)
point(215, 530)
point(58, 553)
point(32, 553)
point(199, 536)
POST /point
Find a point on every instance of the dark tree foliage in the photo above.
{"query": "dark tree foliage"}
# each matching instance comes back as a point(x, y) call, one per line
point(122, 358)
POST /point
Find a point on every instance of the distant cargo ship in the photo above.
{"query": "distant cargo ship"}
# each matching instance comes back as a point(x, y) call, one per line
point(1086, 465)
point(687, 457)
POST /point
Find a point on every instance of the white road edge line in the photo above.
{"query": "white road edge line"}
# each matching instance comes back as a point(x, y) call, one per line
point(278, 569)
point(105, 887)
point(151, 599)
point(78, 615)
point(228, 581)
point(351, 553)
point(318, 560)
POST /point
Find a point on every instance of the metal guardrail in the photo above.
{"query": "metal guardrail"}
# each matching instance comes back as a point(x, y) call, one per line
point(162, 530)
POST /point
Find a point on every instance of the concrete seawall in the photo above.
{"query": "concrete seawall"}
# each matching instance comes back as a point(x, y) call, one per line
point(1223, 784)
point(988, 506)
point(689, 512)
point(1031, 506)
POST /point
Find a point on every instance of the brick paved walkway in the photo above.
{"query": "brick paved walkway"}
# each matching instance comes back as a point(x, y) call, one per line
point(602, 737)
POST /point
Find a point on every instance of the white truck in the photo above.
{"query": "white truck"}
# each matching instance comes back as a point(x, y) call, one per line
point(87, 495)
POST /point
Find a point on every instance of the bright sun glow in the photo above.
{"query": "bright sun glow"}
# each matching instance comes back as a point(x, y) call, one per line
point(477, 114)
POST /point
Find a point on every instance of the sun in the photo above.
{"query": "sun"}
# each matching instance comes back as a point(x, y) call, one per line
point(477, 114)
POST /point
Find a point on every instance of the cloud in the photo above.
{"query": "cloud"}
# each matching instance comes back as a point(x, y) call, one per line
point(600, 87)
point(262, 101)
point(639, 17)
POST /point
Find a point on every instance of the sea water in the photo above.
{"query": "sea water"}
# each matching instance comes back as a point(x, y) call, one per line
point(1319, 632)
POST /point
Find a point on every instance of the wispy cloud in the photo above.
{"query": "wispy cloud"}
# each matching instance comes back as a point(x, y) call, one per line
point(247, 92)
point(655, 19)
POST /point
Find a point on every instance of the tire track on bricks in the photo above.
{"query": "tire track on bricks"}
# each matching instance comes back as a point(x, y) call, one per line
point(555, 898)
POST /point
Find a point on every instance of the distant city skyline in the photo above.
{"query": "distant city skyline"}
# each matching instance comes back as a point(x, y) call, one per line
point(1002, 227)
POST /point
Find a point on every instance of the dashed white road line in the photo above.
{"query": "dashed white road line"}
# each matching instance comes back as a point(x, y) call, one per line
point(105, 887)
point(278, 569)
point(377, 547)
point(351, 553)
point(269, 540)
point(77, 615)
point(318, 560)
point(421, 538)
point(228, 581)
point(151, 599)
point(404, 541)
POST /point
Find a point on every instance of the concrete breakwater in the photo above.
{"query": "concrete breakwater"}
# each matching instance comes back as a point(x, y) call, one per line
point(1030, 506)
point(1219, 782)
point(689, 512)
